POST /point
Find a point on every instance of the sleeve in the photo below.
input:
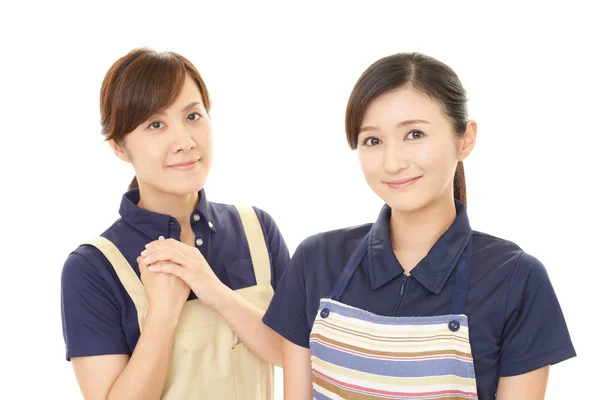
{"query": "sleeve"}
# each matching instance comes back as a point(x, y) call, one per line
point(91, 317)
point(535, 332)
point(278, 250)
point(287, 314)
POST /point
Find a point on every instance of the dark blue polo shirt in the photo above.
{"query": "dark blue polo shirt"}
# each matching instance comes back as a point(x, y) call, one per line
point(98, 315)
point(515, 321)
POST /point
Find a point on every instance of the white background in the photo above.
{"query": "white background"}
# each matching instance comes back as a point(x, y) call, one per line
point(280, 76)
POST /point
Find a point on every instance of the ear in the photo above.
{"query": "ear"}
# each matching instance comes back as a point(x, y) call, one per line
point(120, 151)
point(467, 141)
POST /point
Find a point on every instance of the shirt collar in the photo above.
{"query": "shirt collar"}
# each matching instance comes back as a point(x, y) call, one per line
point(433, 271)
point(155, 225)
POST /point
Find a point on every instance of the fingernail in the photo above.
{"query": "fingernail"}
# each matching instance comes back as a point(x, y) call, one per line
point(147, 260)
point(144, 253)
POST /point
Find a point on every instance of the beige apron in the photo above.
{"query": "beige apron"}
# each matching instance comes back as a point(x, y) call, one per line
point(209, 361)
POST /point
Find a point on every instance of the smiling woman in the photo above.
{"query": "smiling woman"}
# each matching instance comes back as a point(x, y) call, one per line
point(167, 302)
point(417, 304)
point(133, 102)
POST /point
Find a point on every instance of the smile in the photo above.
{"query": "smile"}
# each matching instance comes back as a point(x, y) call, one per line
point(402, 183)
point(184, 166)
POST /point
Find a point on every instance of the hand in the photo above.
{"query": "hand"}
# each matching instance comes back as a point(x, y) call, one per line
point(175, 258)
point(167, 294)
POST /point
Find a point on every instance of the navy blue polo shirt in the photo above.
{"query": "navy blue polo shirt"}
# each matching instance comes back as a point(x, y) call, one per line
point(515, 321)
point(98, 315)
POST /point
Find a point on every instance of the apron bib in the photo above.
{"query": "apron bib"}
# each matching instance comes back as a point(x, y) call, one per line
point(209, 361)
point(356, 354)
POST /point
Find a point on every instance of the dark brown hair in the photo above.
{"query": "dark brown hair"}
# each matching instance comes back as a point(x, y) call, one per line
point(139, 85)
point(424, 73)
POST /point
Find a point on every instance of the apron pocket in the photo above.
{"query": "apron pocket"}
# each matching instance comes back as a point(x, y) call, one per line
point(200, 365)
point(253, 377)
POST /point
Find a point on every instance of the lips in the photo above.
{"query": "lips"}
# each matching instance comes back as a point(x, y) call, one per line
point(184, 166)
point(402, 183)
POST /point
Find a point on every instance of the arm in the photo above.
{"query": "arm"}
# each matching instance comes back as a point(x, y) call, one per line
point(116, 376)
point(534, 335)
point(529, 386)
point(242, 316)
point(297, 376)
point(188, 264)
point(246, 320)
point(95, 340)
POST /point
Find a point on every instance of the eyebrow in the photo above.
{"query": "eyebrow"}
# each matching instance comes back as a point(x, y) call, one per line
point(186, 108)
point(398, 125)
point(191, 105)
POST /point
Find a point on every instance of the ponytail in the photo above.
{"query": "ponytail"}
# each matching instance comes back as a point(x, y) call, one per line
point(460, 185)
point(134, 183)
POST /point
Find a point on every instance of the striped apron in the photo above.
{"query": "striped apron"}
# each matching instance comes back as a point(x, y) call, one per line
point(356, 354)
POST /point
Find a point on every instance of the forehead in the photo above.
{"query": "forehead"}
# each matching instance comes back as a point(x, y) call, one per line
point(189, 94)
point(402, 104)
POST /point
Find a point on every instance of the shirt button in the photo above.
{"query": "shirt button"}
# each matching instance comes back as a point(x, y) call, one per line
point(325, 313)
point(210, 225)
point(161, 238)
point(196, 217)
point(454, 326)
point(199, 242)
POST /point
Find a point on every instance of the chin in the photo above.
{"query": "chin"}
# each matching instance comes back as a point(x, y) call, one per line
point(186, 183)
point(184, 186)
point(405, 202)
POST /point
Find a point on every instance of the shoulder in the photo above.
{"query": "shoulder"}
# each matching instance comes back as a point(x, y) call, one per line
point(329, 248)
point(500, 254)
point(87, 263)
point(230, 214)
point(486, 243)
point(85, 275)
point(492, 254)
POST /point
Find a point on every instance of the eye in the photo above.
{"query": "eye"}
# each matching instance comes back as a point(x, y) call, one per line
point(371, 141)
point(414, 135)
point(194, 116)
point(155, 125)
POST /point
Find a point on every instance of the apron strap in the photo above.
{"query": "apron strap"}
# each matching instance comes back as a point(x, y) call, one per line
point(463, 279)
point(256, 244)
point(124, 271)
point(350, 268)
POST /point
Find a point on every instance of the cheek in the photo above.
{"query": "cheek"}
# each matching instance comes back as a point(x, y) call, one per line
point(202, 136)
point(370, 163)
point(148, 155)
point(435, 158)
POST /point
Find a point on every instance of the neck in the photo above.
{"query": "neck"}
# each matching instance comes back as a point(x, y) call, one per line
point(414, 233)
point(179, 207)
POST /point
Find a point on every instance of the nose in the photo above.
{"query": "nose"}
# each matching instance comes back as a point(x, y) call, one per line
point(395, 159)
point(182, 140)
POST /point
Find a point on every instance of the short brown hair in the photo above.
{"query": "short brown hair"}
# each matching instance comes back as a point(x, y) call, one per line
point(140, 84)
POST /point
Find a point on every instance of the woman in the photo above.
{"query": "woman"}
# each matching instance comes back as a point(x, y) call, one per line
point(416, 305)
point(168, 302)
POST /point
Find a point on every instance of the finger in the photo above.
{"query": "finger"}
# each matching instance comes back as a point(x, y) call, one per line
point(141, 263)
point(169, 244)
point(163, 244)
point(170, 268)
point(170, 255)
point(142, 266)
